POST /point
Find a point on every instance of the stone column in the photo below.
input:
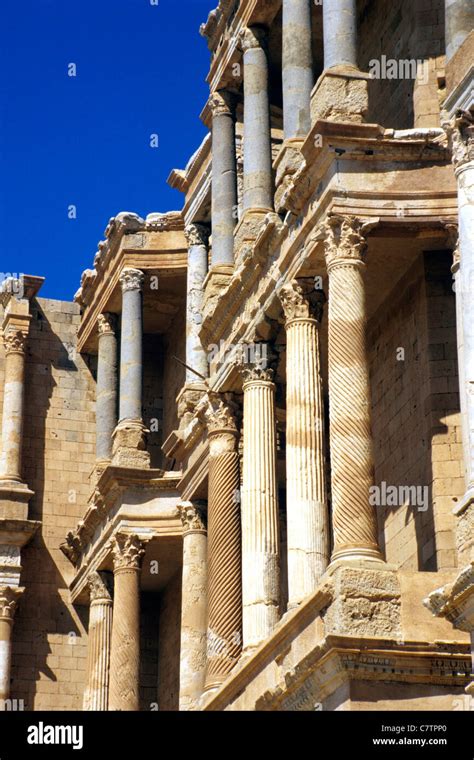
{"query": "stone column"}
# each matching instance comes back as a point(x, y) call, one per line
point(193, 606)
point(353, 517)
point(459, 22)
point(9, 597)
point(14, 341)
point(258, 181)
point(96, 696)
point(128, 552)
point(106, 413)
point(224, 178)
point(340, 33)
point(307, 511)
point(260, 538)
point(224, 630)
point(129, 449)
point(297, 68)
point(197, 236)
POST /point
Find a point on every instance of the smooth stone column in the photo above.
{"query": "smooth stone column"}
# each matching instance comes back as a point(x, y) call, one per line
point(129, 448)
point(96, 696)
point(297, 68)
point(128, 552)
point(106, 414)
point(224, 630)
point(260, 534)
point(307, 510)
point(9, 597)
point(197, 236)
point(14, 341)
point(352, 465)
point(340, 33)
point(258, 180)
point(193, 606)
point(224, 178)
point(459, 22)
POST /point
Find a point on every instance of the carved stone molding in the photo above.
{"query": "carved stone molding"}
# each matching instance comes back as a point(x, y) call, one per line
point(132, 279)
point(197, 234)
point(107, 323)
point(460, 131)
point(300, 300)
point(14, 342)
point(9, 598)
point(127, 551)
point(344, 238)
point(222, 103)
point(455, 601)
point(99, 587)
point(253, 37)
point(193, 517)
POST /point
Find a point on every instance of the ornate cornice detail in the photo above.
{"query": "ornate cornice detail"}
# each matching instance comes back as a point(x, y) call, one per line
point(14, 341)
point(344, 239)
point(9, 598)
point(131, 279)
point(220, 413)
point(222, 103)
point(301, 302)
point(127, 552)
point(197, 234)
point(193, 517)
point(99, 587)
point(72, 548)
point(253, 37)
point(460, 131)
point(107, 323)
point(455, 601)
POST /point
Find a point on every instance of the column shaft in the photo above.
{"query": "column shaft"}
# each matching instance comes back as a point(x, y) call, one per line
point(96, 696)
point(197, 236)
point(193, 607)
point(106, 414)
point(340, 33)
point(13, 402)
point(224, 179)
point(297, 67)
point(354, 518)
point(307, 514)
point(125, 646)
point(131, 361)
point(260, 535)
point(9, 597)
point(258, 181)
point(459, 22)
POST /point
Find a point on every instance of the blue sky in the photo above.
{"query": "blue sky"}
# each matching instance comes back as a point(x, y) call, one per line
point(85, 140)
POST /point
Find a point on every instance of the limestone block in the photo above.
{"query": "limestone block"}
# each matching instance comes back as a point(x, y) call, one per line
point(341, 94)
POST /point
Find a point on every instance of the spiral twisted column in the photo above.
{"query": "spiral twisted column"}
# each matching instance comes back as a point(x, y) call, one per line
point(193, 605)
point(96, 695)
point(260, 536)
point(127, 551)
point(307, 513)
point(352, 469)
point(224, 632)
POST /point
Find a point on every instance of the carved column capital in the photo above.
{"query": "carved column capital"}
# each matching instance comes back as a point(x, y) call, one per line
point(131, 279)
point(300, 300)
point(14, 341)
point(460, 131)
point(107, 323)
point(193, 517)
point(99, 587)
point(9, 598)
point(127, 552)
point(253, 37)
point(222, 103)
point(452, 233)
point(345, 240)
point(220, 413)
point(197, 234)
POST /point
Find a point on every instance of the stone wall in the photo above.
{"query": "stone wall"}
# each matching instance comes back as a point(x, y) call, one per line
point(169, 648)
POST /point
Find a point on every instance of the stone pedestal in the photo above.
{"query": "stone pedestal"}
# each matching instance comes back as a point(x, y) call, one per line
point(224, 631)
point(260, 534)
point(353, 517)
point(197, 236)
point(224, 178)
point(107, 375)
point(193, 606)
point(96, 695)
point(9, 597)
point(297, 67)
point(307, 512)
point(125, 645)
point(341, 94)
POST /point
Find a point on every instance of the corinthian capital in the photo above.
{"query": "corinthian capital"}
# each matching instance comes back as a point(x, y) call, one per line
point(14, 341)
point(197, 234)
point(220, 413)
point(452, 232)
point(107, 323)
point(9, 597)
point(127, 551)
point(345, 239)
point(193, 516)
point(253, 37)
point(460, 131)
point(99, 587)
point(132, 279)
point(222, 103)
point(300, 300)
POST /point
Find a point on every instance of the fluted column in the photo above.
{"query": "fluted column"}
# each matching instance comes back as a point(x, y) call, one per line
point(340, 33)
point(14, 341)
point(9, 597)
point(106, 414)
point(125, 647)
point(193, 606)
point(307, 512)
point(129, 449)
point(197, 236)
point(352, 469)
point(224, 632)
point(258, 182)
point(224, 178)
point(297, 68)
point(260, 538)
point(96, 695)
point(459, 22)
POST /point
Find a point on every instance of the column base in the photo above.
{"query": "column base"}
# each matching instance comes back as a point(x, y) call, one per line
point(341, 94)
point(357, 554)
point(129, 446)
point(14, 499)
